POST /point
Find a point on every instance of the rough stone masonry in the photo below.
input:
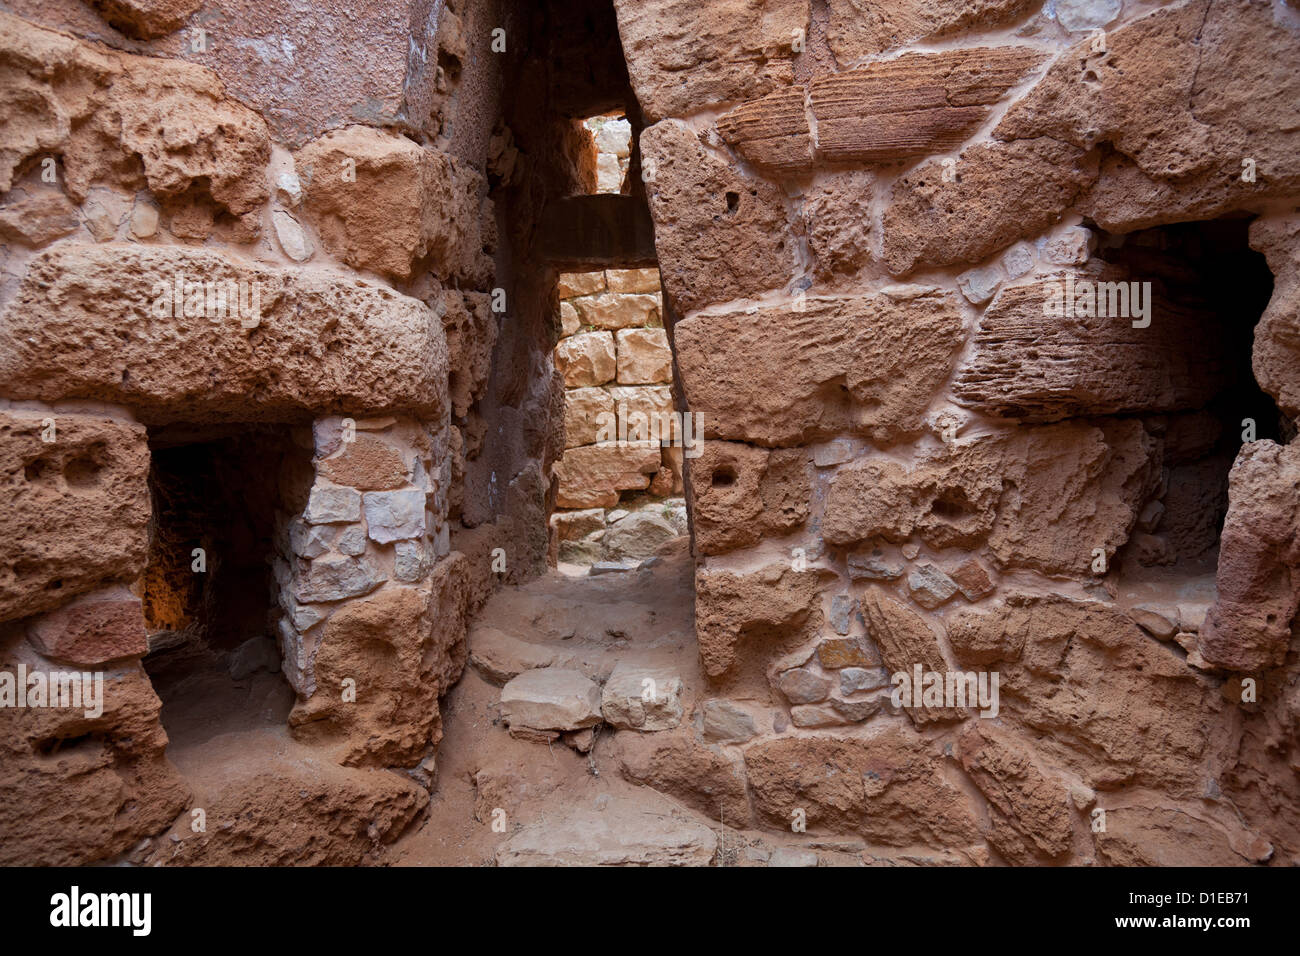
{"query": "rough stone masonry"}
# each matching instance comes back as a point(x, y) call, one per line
point(324, 238)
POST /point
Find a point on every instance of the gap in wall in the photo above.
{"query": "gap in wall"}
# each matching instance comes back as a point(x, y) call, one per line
point(213, 658)
point(1205, 267)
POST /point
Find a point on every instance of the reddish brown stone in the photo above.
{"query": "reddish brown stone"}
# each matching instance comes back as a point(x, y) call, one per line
point(93, 629)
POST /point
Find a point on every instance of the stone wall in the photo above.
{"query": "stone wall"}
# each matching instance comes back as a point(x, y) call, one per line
point(618, 373)
point(192, 248)
point(912, 463)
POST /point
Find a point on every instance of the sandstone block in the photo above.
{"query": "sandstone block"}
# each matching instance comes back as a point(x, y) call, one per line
point(366, 463)
point(907, 640)
point(633, 280)
point(1258, 579)
point(771, 132)
point(78, 789)
point(611, 310)
point(1003, 192)
point(760, 614)
point(1173, 124)
point(77, 508)
point(92, 629)
point(860, 28)
point(382, 202)
point(573, 284)
point(867, 364)
point(550, 698)
point(889, 788)
point(592, 476)
point(719, 235)
point(586, 412)
point(1090, 364)
point(130, 122)
point(1087, 498)
point(404, 647)
point(639, 535)
point(1150, 718)
point(586, 359)
point(918, 104)
point(642, 698)
point(644, 357)
point(105, 322)
point(684, 56)
point(837, 217)
point(1029, 812)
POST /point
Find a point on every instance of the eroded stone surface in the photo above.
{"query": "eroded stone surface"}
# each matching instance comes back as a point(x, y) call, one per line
point(106, 322)
point(790, 376)
point(77, 507)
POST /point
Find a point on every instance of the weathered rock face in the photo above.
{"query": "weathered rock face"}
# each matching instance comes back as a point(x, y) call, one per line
point(889, 788)
point(719, 234)
point(164, 125)
point(881, 456)
point(383, 202)
point(1032, 365)
point(768, 611)
point(401, 648)
point(918, 104)
point(859, 28)
point(683, 56)
point(188, 334)
point(1030, 819)
point(1276, 357)
point(1150, 719)
point(1217, 77)
point(741, 494)
point(1000, 192)
point(1258, 581)
point(80, 786)
point(793, 375)
point(1042, 498)
point(77, 509)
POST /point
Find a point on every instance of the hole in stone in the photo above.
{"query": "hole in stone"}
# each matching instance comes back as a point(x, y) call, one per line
point(723, 476)
point(83, 471)
point(733, 202)
point(38, 470)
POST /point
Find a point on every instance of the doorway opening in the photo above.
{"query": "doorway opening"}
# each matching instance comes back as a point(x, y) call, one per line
point(1211, 277)
point(221, 500)
point(619, 498)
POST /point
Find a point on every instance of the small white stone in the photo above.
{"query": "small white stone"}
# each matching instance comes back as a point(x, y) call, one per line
point(979, 285)
point(1019, 260)
point(144, 220)
point(352, 541)
point(333, 504)
point(293, 239)
point(288, 187)
point(1070, 248)
point(308, 541)
point(1077, 15)
point(394, 515)
point(408, 561)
